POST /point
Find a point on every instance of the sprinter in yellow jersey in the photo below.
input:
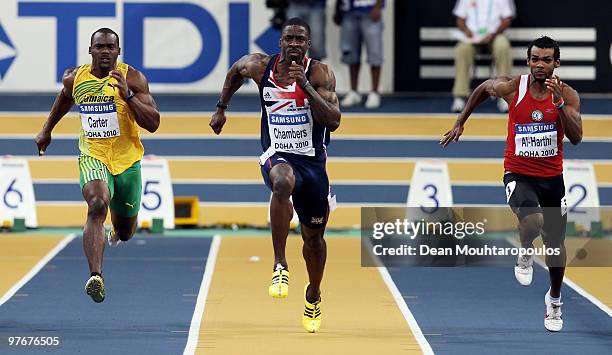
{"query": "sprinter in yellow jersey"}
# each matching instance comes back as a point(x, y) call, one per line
point(113, 100)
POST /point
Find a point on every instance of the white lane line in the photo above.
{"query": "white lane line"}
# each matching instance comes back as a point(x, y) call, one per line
point(399, 300)
point(570, 283)
point(194, 328)
point(27, 277)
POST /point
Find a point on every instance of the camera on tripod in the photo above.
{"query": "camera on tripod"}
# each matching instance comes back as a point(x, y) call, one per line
point(280, 15)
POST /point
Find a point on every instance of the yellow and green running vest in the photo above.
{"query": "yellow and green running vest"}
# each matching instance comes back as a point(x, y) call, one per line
point(109, 132)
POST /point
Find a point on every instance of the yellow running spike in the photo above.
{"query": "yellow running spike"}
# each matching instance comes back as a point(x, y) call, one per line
point(311, 320)
point(280, 283)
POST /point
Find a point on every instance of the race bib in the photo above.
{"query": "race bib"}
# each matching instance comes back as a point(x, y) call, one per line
point(291, 133)
point(100, 120)
point(536, 140)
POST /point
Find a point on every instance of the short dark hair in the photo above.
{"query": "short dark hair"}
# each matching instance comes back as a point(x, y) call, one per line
point(104, 30)
point(296, 21)
point(545, 42)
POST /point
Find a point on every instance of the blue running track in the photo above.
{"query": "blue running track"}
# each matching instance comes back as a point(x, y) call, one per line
point(484, 310)
point(249, 103)
point(152, 285)
point(338, 147)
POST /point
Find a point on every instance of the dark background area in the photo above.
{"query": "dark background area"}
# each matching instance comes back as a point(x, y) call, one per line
point(411, 15)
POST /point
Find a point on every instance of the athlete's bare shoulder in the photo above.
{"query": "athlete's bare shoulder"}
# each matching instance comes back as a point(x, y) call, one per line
point(253, 65)
point(324, 82)
point(135, 76)
point(322, 74)
point(570, 96)
point(504, 87)
point(137, 81)
point(131, 69)
point(569, 91)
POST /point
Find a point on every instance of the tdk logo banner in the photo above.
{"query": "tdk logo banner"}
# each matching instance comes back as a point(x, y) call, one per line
point(7, 52)
point(178, 45)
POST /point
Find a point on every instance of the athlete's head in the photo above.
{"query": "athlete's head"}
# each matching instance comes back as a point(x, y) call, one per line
point(295, 39)
point(104, 49)
point(543, 57)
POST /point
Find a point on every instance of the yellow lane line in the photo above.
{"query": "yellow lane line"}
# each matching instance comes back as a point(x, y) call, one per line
point(595, 280)
point(587, 271)
point(359, 314)
point(345, 216)
point(248, 169)
point(379, 125)
point(75, 214)
point(19, 254)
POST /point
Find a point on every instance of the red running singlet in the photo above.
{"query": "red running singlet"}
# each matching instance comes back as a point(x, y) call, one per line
point(534, 145)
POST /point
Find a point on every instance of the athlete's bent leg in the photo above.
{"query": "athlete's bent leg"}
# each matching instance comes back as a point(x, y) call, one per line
point(530, 227)
point(124, 227)
point(125, 204)
point(556, 274)
point(554, 237)
point(553, 234)
point(97, 196)
point(281, 209)
point(315, 255)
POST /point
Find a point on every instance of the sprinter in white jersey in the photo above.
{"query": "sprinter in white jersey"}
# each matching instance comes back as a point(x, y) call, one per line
point(299, 108)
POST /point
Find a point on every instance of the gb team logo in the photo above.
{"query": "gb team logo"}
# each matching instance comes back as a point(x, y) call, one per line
point(291, 96)
point(537, 116)
point(288, 99)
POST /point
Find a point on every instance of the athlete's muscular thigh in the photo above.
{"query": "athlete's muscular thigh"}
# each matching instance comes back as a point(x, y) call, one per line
point(97, 196)
point(282, 179)
point(125, 227)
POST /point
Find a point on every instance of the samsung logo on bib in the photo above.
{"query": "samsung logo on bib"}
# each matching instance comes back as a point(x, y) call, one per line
point(535, 128)
point(288, 120)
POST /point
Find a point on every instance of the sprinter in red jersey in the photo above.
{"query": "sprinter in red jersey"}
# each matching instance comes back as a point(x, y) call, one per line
point(542, 110)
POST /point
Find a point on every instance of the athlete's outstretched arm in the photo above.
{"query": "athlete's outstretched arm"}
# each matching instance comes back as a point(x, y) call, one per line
point(135, 91)
point(568, 104)
point(503, 87)
point(250, 66)
point(62, 104)
point(321, 93)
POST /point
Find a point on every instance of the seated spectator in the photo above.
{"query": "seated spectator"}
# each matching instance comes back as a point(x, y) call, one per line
point(481, 24)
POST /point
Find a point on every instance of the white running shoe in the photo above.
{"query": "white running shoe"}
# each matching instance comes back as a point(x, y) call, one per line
point(373, 100)
point(502, 105)
point(112, 238)
point(552, 321)
point(458, 104)
point(523, 271)
point(351, 99)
